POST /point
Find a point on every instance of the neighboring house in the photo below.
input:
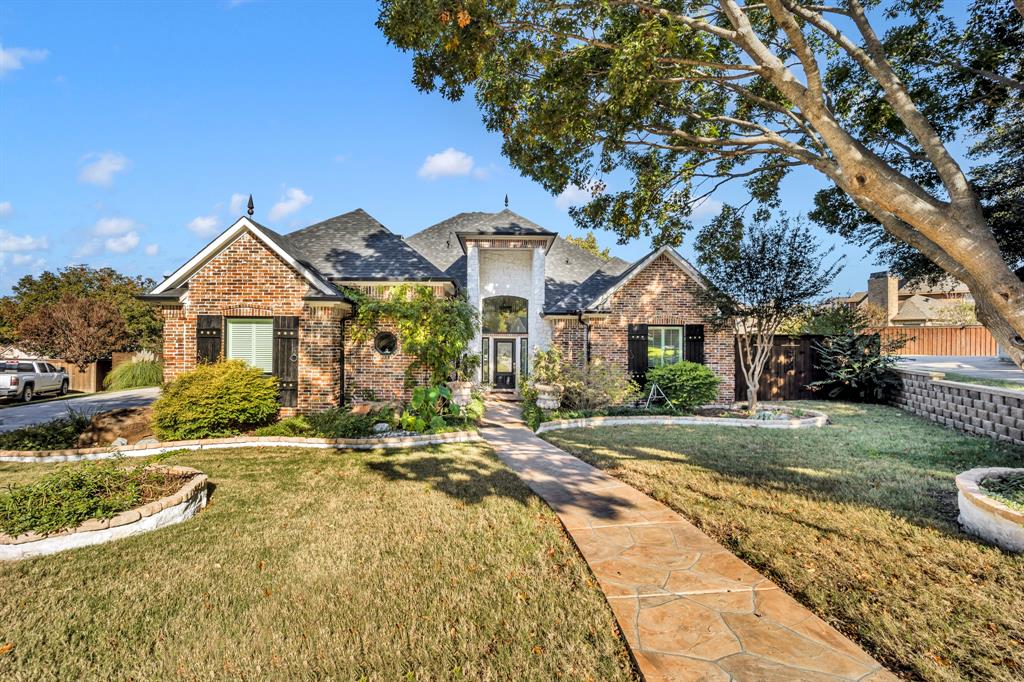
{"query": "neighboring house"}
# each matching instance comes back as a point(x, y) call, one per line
point(912, 305)
point(277, 301)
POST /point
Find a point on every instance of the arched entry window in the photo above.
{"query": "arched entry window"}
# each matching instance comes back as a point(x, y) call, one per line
point(505, 315)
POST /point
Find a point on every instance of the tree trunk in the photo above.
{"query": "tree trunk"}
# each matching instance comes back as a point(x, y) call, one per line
point(752, 387)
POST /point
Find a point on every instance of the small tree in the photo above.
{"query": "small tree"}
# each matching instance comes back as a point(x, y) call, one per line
point(77, 330)
point(759, 276)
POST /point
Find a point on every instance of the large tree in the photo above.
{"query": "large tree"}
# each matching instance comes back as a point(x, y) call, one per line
point(32, 293)
point(682, 96)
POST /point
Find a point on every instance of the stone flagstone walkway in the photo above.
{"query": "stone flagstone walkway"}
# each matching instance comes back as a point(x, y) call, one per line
point(689, 609)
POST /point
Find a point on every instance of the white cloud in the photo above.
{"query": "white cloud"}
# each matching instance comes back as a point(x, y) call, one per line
point(152, 249)
point(6, 209)
point(237, 203)
point(15, 58)
point(87, 248)
point(572, 196)
point(101, 170)
point(123, 243)
point(25, 259)
point(293, 200)
point(706, 208)
point(204, 225)
point(12, 243)
point(451, 162)
point(111, 227)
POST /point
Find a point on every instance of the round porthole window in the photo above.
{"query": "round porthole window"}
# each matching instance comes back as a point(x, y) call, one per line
point(385, 343)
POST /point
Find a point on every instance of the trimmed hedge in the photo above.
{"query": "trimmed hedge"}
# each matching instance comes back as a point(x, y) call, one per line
point(687, 384)
point(215, 401)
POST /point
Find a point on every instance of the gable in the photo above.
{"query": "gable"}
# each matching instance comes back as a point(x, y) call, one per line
point(269, 239)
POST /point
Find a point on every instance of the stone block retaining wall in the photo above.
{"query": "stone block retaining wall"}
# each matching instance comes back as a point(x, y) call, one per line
point(981, 410)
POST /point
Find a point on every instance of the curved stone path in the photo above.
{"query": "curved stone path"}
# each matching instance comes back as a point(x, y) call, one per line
point(689, 609)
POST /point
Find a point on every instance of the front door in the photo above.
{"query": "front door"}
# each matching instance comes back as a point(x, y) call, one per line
point(505, 363)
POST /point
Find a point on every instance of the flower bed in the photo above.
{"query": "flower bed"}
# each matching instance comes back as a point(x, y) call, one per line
point(170, 508)
point(807, 419)
point(986, 516)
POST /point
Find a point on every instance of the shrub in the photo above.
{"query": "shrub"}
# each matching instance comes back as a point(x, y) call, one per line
point(339, 422)
point(73, 494)
point(292, 426)
point(215, 400)
point(428, 408)
point(134, 375)
point(597, 385)
point(857, 367)
point(687, 384)
point(57, 434)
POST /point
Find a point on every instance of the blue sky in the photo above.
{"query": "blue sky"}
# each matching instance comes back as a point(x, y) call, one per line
point(130, 133)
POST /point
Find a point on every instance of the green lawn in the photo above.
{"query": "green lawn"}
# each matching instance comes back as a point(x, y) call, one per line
point(309, 564)
point(995, 383)
point(857, 520)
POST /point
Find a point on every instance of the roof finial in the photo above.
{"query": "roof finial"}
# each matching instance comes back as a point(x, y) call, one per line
point(506, 200)
point(252, 206)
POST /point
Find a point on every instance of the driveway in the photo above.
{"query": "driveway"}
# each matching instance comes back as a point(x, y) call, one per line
point(36, 413)
point(980, 367)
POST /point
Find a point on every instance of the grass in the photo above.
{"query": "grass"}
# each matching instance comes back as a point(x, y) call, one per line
point(857, 520)
point(429, 564)
point(137, 374)
point(995, 383)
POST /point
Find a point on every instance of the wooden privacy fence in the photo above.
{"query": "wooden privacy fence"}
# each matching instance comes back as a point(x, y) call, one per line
point(89, 381)
point(941, 340)
point(793, 364)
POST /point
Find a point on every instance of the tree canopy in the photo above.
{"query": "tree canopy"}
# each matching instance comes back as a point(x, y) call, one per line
point(141, 321)
point(589, 243)
point(653, 106)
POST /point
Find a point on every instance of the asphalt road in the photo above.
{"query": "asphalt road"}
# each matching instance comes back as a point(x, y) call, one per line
point(36, 413)
point(980, 367)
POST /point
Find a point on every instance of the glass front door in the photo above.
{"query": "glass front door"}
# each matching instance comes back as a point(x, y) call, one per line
point(504, 363)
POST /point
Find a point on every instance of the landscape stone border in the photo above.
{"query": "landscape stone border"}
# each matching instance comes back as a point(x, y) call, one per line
point(147, 450)
point(815, 420)
point(985, 516)
point(168, 510)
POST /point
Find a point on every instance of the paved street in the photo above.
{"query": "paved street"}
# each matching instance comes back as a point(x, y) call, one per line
point(36, 413)
point(980, 367)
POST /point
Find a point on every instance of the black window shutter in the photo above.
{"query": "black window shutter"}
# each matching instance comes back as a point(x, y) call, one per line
point(694, 351)
point(637, 356)
point(209, 337)
point(286, 359)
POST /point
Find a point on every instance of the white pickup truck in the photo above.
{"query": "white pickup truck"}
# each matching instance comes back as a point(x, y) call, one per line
point(23, 379)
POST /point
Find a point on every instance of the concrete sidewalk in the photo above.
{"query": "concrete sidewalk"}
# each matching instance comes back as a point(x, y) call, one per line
point(689, 609)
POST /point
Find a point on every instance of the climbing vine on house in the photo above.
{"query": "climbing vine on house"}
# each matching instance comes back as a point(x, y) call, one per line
point(434, 330)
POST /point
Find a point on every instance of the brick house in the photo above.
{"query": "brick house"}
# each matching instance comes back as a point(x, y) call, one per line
point(278, 302)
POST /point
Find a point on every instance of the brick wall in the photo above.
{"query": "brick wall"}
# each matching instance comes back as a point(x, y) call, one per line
point(981, 410)
point(660, 294)
point(248, 280)
point(569, 337)
point(372, 376)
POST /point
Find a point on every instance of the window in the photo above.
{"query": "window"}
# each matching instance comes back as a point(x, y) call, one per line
point(49, 368)
point(504, 315)
point(252, 340)
point(664, 346)
point(485, 360)
point(386, 343)
point(524, 357)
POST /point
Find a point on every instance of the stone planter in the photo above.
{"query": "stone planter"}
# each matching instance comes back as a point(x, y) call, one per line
point(174, 508)
point(986, 517)
point(462, 392)
point(549, 396)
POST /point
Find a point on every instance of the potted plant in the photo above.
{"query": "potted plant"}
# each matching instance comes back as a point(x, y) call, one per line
point(549, 396)
point(465, 371)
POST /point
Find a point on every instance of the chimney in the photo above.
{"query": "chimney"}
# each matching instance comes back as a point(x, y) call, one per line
point(883, 292)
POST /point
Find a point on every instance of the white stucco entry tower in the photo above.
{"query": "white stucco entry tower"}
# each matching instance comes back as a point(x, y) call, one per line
point(502, 265)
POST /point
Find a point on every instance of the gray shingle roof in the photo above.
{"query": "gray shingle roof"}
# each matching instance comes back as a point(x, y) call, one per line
point(600, 281)
point(355, 246)
point(567, 266)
